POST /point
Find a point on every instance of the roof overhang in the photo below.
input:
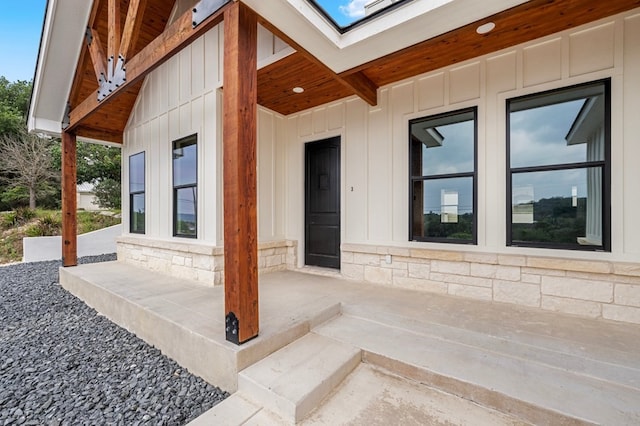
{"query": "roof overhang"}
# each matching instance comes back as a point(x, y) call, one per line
point(62, 39)
point(402, 27)
point(417, 37)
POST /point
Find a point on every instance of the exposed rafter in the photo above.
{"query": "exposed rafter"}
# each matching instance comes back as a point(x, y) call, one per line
point(98, 56)
point(77, 80)
point(115, 34)
point(276, 80)
point(158, 51)
point(132, 26)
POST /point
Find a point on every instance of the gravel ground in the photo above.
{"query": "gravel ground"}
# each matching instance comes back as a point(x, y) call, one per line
point(62, 363)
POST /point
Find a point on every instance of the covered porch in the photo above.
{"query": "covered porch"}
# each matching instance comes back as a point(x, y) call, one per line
point(322, 337)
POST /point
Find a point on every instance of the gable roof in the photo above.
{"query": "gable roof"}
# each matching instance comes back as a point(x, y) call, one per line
point(419, 36)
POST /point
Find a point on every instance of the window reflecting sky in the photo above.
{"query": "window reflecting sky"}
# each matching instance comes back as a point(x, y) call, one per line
point(136, 172)
point(184, 165)
point(456, 153)
point(538, 136)
point(344, 12)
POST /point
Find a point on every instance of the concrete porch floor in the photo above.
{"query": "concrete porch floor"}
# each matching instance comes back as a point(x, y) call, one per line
point(332, 351)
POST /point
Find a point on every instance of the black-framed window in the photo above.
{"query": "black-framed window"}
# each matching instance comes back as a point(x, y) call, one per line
point(136, 193)
point(442, 164)
point(185, 187)
point(558, 168)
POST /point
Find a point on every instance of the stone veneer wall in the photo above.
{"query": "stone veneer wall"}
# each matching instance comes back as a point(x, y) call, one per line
point(197, 261)
point(596, 289)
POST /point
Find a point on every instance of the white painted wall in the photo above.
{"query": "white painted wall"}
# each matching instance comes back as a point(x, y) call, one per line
point(183, 97)
point(375, 207)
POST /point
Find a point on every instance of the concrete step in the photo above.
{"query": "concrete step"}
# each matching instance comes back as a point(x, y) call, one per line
point(369, 395)
point(186, 320)
point(374, 396)
point(234, 411)
point(294, 380)
point(530, 382)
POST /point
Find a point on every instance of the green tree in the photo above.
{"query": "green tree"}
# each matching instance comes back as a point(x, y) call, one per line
point(100, 165)
point(108, 193)
point(14, 105)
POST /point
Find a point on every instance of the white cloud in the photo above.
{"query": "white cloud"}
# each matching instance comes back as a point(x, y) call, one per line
point(354, 9)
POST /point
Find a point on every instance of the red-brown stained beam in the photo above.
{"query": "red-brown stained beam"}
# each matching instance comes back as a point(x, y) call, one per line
point(161, 49)
point(77, 79)
point(362, 86)
point(115, 35)
point(132, 26)
point(239, 156)
point(358, 83)
point(98, 57)
point(69, 202)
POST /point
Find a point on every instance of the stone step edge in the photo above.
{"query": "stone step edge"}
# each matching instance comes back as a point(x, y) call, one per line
point(236, 410)
point(489, 398)
point(293, 411)
point(257, 350)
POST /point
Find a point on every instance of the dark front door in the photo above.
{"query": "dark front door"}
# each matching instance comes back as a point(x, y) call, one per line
point(322, 203)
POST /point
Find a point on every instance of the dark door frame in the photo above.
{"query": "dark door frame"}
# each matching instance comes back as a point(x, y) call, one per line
point(325, 251)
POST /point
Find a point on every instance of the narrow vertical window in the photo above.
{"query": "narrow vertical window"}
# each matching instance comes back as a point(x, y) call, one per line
point(185, 187)
point(443, 177)
point(558, 168)
point(136, 194)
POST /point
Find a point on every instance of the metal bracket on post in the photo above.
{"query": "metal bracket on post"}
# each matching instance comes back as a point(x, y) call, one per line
point(66, 118)
point(117, 76)
point(206, 8)
point(232, 328)
point(88, 36)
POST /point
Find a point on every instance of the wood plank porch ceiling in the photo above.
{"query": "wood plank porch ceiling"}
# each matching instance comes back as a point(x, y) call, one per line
point(531, 20)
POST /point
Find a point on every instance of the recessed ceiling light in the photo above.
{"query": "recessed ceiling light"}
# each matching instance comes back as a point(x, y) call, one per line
point(485, 28)
point(298, 89)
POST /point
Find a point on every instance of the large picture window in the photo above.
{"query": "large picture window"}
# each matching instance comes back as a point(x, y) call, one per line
point(558, 168)
point(185, 187)
point(443, 177)
point(136, 194)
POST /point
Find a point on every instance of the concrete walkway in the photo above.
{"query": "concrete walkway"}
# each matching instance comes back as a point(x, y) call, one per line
point(339, 352)
point(102, 241)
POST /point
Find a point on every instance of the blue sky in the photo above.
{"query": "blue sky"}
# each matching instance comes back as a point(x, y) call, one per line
point(20, 29)
point(344, 12)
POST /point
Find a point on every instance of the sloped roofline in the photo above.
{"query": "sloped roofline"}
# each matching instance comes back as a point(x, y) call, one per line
point(60, 44)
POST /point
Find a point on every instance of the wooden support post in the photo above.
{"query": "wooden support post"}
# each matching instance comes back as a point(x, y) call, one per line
point(239, 156)
point(69, 202)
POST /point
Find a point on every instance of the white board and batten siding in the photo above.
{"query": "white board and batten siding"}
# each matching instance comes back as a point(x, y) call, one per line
point(375, 203)
point(183, 97)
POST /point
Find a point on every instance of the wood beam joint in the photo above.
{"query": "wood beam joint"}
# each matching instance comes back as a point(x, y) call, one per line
point(358, 83)
point(362, 86)
point(161, 49)
point(205, 8)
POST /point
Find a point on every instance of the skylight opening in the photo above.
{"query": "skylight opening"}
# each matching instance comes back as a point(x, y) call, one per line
point(345, 15)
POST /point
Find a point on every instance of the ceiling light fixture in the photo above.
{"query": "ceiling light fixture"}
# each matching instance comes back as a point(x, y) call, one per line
point(298, 89)
point(485, 28)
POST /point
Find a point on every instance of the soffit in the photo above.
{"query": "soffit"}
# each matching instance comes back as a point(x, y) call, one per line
point(321, 82)
point(519, 24)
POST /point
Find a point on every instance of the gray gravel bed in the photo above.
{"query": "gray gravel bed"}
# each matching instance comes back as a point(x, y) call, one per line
point(62, 363)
